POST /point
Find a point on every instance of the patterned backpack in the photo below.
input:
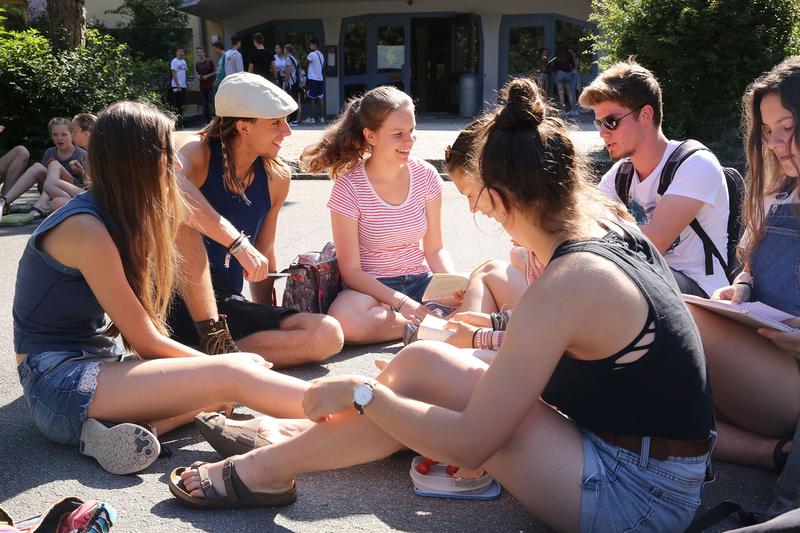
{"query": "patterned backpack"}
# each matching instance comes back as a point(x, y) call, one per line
point(314, 281)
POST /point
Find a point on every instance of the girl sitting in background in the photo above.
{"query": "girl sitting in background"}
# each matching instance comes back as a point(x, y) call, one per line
point(59, 185)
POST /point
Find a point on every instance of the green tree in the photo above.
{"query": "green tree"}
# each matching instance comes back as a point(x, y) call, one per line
point(67, 23)
point(703, 52)
point(155, 27)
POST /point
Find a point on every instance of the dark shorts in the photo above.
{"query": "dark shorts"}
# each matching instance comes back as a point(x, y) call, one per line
point(412, 285)
point(687, 285)
point(244, 317)
point(316, 88)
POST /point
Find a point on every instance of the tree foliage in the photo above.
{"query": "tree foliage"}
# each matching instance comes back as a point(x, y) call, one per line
point(703, 52)
point(39, 82)
point(155, 27)
point(67, 23)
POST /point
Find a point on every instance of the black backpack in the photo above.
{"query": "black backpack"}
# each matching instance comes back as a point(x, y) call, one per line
point(736, 190)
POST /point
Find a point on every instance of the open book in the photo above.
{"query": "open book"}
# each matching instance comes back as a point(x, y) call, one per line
point(433, 328)
point(442, 286)
point(753, 314)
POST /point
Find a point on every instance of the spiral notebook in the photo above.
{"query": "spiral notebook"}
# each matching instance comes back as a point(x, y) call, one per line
point(753, 314)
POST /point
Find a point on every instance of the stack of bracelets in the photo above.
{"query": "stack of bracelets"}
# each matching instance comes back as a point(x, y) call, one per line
point(491, 339)
point(240, 243)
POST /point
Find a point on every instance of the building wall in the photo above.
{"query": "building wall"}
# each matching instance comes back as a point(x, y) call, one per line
point(333, 12)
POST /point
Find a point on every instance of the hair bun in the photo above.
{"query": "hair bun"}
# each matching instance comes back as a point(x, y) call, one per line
point(522, 104)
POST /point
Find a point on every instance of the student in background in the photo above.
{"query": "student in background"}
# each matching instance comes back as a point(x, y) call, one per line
point(233, 58)
point(260, 61)
point(206, 72)
point(178, 70)
point(59, 186)
point(315, 63)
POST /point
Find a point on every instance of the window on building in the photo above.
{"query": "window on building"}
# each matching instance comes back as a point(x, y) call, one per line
point(355, 48)
point(391, 48)
point(463, 50)
point(523, 50)
point(572, 36)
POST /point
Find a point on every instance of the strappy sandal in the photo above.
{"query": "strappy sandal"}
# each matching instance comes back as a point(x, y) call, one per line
point(779, 457)
point(229, 440)
point(237, 496)
point(40, 213)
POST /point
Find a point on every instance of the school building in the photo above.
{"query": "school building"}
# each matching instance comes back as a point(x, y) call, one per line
point(450, 55)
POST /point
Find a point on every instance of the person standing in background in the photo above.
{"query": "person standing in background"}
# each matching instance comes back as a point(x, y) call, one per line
point(178, 71)
point(293, 83)
point(206, 73)
point(260, 61)
point(220, 50)
point(279, 67)
point(315, 62)
point(233, 58)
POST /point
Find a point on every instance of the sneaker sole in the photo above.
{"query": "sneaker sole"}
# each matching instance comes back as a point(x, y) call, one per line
point(122, 449)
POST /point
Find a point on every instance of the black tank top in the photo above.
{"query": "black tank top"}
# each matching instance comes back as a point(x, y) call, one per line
point(663, 393)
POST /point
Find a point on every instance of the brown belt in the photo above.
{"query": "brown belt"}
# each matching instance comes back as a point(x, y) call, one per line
point(660, 448)
point(21, 358)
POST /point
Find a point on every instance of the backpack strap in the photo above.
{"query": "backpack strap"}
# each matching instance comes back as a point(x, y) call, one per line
point(685, 150)
point(622, 181)
point(720, 512)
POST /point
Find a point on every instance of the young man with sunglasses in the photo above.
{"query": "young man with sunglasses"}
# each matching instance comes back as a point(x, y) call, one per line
point(626, 100)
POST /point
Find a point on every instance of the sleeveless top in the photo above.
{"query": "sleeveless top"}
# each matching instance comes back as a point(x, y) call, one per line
point(246, 218)
point(54, 308)
point(663, 393)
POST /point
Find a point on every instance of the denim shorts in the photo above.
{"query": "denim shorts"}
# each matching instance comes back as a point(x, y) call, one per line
point(621, 491)
point(563, 77)
point(412, 285)
point(58, 387)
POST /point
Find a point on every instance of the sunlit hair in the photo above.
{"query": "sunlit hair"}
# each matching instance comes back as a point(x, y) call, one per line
point(85, 121)
point(343, 145)
point(224, 129)
point(764, 172)
point(57, 121)
point(131, 157)
point(626, 83)
point(527, 156)
point(460, 157)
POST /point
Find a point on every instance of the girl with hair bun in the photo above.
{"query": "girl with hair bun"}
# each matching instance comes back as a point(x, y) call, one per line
point(754, 372)
point(595, 414)
point(386, 216)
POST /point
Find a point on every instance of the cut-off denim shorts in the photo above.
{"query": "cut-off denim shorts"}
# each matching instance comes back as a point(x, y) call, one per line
point(412, 285)
point(58, 387)
point(625, 491)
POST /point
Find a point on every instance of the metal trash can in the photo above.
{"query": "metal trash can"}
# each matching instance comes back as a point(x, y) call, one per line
point(469, 95)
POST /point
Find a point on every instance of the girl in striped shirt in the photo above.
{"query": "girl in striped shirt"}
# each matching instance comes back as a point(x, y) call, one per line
point(385, 214)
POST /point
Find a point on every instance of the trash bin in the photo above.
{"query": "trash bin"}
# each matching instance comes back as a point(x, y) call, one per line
point(469, 95)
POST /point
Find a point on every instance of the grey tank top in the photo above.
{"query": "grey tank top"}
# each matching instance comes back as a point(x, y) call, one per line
point(54, 308)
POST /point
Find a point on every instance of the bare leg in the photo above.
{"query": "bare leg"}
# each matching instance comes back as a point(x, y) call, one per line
point(36, 173)
point(496, 286)
point(12, 164)
point(365, 320)
point(755, 386)
point(194, 282)
point(546, 443)
point(302, 338)
point(159, 389)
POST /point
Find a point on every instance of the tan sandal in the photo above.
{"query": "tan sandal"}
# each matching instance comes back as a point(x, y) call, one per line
point(229, 440)
point(237, 496)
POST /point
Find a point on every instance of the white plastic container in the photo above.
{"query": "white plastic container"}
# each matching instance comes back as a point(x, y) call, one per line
point(438, 480)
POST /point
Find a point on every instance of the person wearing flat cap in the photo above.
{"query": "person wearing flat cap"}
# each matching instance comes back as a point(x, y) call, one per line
point(234, 163)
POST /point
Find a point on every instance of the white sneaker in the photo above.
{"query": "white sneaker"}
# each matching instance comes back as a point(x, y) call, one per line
point(309, 120)
point(321, 120)
point(120, 449)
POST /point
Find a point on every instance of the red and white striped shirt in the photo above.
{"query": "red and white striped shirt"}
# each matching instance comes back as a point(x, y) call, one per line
point(389, 236)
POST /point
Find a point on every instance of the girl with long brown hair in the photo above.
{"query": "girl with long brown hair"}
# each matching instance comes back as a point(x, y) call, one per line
point(754, 372)
point(385, 213)
point(595, 414)
point(111, 251)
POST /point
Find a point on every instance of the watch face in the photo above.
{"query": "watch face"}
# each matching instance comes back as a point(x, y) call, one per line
point(362, 394)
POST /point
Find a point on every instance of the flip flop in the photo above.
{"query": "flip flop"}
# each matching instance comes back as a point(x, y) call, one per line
point(779, 457)
point(237, 496)
point(229, 440)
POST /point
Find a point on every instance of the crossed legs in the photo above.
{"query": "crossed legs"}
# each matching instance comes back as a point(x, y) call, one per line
point(365, 320)
point(12, 164)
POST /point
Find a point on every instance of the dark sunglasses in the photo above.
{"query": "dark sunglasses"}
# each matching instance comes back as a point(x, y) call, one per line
point(611, 123)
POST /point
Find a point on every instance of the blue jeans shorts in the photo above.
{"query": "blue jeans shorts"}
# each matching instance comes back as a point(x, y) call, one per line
point(412, 285)
point(626, 491)
point(58, 387)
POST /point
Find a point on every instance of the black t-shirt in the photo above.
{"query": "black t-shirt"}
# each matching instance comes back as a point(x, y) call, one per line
point(664, 393)
point(261, 58)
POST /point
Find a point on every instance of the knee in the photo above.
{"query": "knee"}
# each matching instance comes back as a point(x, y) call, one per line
point(353, 330)
point(409, 369)
point(325, 335)
point(20, 152)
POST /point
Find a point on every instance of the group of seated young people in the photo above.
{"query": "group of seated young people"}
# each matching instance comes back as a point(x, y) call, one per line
point(593, 422)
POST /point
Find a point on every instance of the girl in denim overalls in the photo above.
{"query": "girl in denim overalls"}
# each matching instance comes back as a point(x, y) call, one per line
point(754, 373)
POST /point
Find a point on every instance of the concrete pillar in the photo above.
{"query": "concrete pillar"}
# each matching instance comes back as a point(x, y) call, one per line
point(491, 56)
point(332, 26)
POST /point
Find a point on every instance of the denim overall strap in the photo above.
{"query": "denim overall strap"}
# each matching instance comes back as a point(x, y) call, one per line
point(775, 262)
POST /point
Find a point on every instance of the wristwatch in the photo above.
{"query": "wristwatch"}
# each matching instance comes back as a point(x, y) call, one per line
point(362, 395)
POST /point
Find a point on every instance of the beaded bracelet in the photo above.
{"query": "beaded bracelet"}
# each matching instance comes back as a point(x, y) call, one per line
point(487, 339)
point(240, 243)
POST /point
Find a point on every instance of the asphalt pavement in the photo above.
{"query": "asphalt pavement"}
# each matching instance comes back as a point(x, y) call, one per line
point(35, 472)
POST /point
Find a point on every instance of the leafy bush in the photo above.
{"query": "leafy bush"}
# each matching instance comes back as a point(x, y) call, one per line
point(38, 83)
point(703, 52)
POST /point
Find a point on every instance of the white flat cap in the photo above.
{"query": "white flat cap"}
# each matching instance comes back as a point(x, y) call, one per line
point(247, 95)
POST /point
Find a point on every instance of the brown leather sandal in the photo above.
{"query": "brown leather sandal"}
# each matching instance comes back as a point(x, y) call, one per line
point(237, 496)
point(229, 440)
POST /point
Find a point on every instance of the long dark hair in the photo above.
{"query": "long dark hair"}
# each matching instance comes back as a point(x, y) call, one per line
point(764, 172)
